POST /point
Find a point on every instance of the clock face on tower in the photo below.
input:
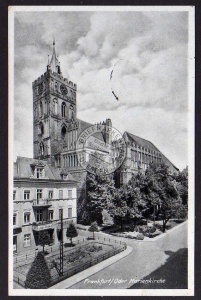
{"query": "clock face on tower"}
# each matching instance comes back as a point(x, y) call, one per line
point(63, 89)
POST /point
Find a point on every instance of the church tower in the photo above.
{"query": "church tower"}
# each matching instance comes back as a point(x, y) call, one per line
point(54, 107)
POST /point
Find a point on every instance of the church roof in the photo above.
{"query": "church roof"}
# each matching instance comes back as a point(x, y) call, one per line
point(141, 142)
point(149, 145)
point(84, 125)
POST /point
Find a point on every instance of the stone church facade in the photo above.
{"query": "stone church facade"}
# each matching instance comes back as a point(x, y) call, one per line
point(56, 129)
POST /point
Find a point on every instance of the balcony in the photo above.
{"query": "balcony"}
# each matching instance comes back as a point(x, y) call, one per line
point(41, 203)
point(43, 225)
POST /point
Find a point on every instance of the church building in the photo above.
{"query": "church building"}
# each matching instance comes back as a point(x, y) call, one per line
point(56, 128)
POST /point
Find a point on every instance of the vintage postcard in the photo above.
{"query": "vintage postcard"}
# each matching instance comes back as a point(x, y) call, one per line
point(101, 150)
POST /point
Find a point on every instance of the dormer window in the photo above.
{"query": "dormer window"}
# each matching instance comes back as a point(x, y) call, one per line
point(39, 172)
point(64, 177)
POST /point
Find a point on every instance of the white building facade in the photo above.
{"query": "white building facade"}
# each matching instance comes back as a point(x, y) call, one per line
point(40, 194)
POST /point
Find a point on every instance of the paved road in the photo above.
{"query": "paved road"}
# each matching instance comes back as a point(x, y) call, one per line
point(145, 258)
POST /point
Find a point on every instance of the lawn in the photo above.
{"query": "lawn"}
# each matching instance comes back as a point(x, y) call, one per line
point(174, 272)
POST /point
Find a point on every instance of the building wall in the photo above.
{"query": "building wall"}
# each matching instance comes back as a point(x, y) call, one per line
point(22, 206)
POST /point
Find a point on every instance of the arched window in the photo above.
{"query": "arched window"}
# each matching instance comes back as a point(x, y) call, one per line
point(41, 128)
point(63, 131)
point(41, 108)
point(71, 113)
point(63, 109)
point(46, 107)
point(41, 148)
point(55, 103)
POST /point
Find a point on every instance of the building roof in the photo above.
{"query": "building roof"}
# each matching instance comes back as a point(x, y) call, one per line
point(84, 125)
point(141, 142)
point(23, 168)
point(148, 145)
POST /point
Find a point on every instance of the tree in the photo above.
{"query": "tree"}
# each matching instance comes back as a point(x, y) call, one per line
point(44, 238)
point(93, 228)
point(38, 276)
point(100, 191)
point(182, 185)
point(162, 191)
point(71, 232)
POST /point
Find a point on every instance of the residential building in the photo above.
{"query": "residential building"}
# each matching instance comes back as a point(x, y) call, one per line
point(40, 193)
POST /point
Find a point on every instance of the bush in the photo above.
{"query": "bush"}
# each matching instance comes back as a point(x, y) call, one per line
point(129, 236)
point(132, 228)
point(140, 236)
point(38, 277)
point(140, 229)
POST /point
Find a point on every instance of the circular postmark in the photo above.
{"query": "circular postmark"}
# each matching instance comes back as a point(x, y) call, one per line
point(100, 149)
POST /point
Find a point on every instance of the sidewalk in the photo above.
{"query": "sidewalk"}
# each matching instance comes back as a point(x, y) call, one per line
point(145, 258)
point(91, 271)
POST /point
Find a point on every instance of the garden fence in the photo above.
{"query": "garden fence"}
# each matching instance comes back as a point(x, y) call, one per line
point(27, 258)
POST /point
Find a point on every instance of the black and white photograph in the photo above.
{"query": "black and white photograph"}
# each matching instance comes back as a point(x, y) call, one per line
point(101, 150)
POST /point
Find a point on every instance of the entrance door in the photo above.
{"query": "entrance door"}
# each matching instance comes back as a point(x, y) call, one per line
point(15, 244)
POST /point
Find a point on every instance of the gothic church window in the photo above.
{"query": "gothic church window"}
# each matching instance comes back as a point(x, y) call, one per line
point(63, 131)
point(55, 106)
point(41, 109)
point(41, 129)
point(41, 148)
point(63, 109)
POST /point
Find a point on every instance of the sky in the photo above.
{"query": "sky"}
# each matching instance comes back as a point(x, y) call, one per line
point(148, 53)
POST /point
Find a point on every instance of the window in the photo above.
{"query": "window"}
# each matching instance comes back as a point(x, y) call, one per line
point(27, 240)
point(14, 244)
point(63, 131)
point(60, 212)
point(39, 194)
point(69, 193)
point(41, 128)
point(15, 219)
point(27, 217)
point(60, 194)
point(50, 195)
point(14, 195)
point(55, 106)
point(41, 108)
point(41, 148)
point(26, 195)
point(39, 173)
point(63, 109)
point(51, 215)
point(39, 215)
point(70, 212)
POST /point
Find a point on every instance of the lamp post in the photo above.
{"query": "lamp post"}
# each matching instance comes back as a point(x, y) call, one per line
point(61, 248)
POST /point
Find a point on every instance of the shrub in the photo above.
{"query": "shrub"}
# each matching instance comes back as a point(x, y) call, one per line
point(132, 228)
point(38, 277)
point(129, 236)
point(127, 228)
point(93, 228)
point(71, 232)
point(140, 236)
point(140, 229)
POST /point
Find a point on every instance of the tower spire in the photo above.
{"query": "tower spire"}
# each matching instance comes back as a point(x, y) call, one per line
point(54, 62)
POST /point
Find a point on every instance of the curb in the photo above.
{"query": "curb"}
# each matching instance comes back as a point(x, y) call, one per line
point(166, 233)
point(66, 283)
